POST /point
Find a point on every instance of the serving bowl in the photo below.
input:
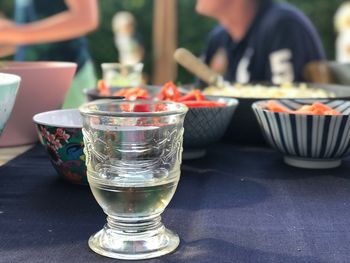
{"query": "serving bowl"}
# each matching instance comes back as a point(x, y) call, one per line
point(249, 132)
point(307, 141)
point(9, 85)
point(203, 125)
point(60, 132)
point(43, 88)
point(93, 94)
point(206, 125)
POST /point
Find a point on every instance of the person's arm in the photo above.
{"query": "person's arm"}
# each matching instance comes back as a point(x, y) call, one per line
point(6, 50)
point(80, 18)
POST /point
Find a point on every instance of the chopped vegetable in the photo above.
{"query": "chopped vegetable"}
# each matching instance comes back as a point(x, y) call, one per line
point(141, 108)
point(273, 105)
point(103, 88)
point(169, 91)
point(193, 95)
point(316, 108)
point(286, 90)
point(193, 99)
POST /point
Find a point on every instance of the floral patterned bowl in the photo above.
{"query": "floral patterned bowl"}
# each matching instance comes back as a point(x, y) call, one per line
point(60, 133)
point(9, 84)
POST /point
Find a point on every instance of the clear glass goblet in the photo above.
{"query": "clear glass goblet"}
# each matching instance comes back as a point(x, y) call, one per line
point(133, 153)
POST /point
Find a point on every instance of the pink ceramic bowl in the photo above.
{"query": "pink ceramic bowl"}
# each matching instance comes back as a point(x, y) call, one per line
point(43, 88)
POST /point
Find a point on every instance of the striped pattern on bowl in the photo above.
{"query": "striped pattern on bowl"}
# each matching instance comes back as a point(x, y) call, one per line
point(306, 136)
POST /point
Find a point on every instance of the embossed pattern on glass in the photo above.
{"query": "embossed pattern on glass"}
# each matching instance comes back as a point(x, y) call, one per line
point(133, 155)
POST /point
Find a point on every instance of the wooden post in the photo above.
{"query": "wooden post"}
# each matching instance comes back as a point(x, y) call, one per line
point(164, 41)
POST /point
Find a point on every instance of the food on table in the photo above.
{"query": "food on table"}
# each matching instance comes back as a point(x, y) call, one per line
point(169, 91)
point(128, 93)
point(287, 90)
point(316, 108)
point(102, 88)
point(193, 99)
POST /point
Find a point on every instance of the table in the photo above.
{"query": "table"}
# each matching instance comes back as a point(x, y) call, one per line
point(238, 204)
point(9, 153)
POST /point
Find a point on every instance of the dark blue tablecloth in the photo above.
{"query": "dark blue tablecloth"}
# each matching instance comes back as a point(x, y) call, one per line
point(235, 205)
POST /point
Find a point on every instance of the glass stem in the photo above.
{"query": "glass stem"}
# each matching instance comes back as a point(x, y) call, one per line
point(132, 227)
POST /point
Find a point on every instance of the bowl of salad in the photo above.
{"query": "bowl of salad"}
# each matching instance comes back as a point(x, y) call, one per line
point(309, 133)
point(247, 94)
point(205, 123)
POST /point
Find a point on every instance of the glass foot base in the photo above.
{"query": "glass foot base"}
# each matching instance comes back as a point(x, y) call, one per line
point(312, 163)
point(134, 246)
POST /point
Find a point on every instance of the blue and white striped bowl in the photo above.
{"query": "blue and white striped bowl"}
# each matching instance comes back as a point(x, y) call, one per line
point(307, 141)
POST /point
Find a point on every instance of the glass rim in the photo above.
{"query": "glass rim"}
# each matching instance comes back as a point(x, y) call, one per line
point(85, 110)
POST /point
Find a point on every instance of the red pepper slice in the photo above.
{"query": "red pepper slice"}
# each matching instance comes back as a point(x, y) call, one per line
point(169, 92)
point(141, 108)
point(193, 95)
point(198, 94)
point(187, 97)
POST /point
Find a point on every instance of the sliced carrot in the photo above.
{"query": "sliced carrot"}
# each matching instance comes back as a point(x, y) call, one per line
point(316, 108)
point(275, 106)
point(306, 108)
point(318, 111)
point(331, 112)
point(321, 106)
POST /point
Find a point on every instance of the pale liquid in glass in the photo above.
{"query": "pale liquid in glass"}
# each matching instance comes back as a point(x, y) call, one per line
point(130, 199)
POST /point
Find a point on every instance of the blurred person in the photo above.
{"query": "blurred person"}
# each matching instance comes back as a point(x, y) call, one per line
point(127, 42)
point(53, 31)
point(259, 40)
point(342, 26)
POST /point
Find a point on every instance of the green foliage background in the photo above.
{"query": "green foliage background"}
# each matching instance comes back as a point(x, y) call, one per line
point(192, 28)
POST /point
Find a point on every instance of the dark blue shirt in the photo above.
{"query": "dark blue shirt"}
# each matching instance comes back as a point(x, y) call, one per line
point(277, 46)
point(74, 50)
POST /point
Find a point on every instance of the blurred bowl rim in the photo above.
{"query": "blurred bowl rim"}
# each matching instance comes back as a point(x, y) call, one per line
point(37, 120)
point(10, 78)
point(324, 86)
point(30, 65)
point(94, 92)
point(230, 101)
point(112, 65)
